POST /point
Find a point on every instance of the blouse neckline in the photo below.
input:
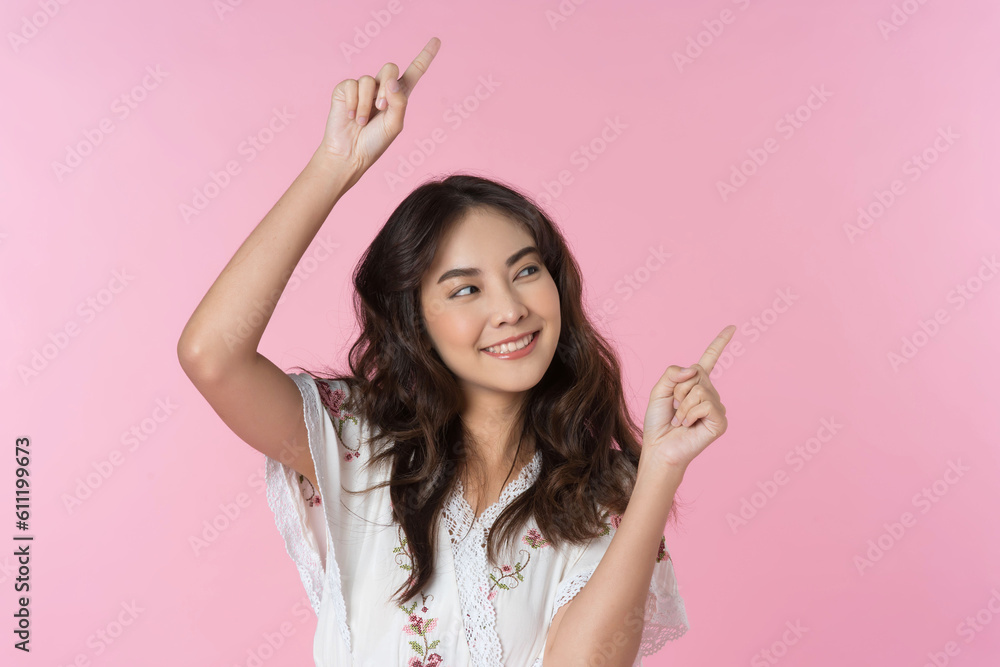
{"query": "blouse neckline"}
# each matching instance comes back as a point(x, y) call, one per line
point(464, 513)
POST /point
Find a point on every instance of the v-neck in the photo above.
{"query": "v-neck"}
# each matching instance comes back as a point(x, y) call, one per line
point(525, 478)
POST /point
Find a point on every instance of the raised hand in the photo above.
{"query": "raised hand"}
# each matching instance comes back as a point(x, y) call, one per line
point(366, 114)
point(685, 414)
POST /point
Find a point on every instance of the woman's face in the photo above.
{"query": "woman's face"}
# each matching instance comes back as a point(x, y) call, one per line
point(468, 312)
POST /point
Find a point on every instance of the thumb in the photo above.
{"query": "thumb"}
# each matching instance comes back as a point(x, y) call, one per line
point(676, 374)
point(396, 99)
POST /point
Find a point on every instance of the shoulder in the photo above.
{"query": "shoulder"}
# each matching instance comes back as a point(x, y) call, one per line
point(329, 406)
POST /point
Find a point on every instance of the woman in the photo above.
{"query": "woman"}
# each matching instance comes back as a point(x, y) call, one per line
point(459, 497)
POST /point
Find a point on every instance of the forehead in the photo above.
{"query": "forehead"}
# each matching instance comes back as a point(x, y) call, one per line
point(483, 239)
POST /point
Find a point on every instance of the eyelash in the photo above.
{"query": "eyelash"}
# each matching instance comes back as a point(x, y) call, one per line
point(530, 266)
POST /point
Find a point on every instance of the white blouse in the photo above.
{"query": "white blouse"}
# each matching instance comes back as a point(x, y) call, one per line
point(352, 555)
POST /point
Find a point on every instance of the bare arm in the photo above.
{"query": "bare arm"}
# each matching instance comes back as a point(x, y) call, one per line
point(218, 347)
point(683, 417)
point(608, 611)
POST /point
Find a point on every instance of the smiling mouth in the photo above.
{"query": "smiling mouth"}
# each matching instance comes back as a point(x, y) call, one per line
point(510, 350)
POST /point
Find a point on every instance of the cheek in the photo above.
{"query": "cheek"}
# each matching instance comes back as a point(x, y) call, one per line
point(452, 329)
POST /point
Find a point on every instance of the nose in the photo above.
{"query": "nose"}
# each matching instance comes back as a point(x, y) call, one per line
point(507, 307)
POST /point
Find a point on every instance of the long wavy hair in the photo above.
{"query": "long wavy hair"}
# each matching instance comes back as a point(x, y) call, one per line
point(576, 415)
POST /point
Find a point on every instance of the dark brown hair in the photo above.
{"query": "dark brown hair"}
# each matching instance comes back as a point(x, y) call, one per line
point(576, 415)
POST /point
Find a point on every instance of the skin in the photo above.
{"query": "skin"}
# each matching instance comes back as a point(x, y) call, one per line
point(467, 313)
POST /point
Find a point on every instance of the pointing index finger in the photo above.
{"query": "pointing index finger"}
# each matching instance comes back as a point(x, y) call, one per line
point(419, 66)
point(715, 349)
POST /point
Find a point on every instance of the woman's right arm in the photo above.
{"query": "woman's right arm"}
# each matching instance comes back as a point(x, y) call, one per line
point(218, 347)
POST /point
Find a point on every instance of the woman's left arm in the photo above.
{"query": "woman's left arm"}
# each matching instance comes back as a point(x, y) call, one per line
point(606, 616)
point(684, 416)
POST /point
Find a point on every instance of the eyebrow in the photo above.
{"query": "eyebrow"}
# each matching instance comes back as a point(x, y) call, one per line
point(469, 272)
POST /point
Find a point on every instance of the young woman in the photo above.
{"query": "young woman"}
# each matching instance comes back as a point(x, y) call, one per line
point(474, 491)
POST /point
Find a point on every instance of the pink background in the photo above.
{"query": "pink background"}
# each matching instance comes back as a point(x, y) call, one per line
point(822, 355)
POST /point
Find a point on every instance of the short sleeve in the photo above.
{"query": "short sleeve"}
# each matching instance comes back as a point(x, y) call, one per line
point(664, 618)
point(305, 516)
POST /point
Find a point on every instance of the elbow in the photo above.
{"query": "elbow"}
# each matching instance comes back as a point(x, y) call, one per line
point(192, 358)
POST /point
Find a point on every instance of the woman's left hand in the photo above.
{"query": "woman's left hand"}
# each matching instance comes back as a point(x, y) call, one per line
point(685, 414)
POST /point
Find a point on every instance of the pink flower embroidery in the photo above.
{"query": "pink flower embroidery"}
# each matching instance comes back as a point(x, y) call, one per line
point(331, 398)
point(417, 626)
point(507, 577)
point(534, 539)
point(309, 494)
point(663, 550)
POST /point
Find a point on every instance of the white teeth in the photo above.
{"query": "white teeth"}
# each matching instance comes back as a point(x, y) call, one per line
point(510, 347)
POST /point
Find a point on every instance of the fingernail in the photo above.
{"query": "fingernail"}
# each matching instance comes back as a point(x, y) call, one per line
point(675, 421)
point(677, 404)
point(361, 120)
point(380, 103)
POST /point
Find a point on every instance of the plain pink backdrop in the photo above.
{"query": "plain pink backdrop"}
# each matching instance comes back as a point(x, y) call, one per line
point(862, 326)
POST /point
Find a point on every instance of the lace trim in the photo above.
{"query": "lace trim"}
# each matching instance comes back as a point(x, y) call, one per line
point(290, 517)
point(468, 540)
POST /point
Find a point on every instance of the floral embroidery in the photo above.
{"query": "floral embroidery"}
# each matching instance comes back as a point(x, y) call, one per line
point(534, 539)
point(616, 520)
point(514, 575)
point(309, 493)
point(332, 399)
point(402, 556)
point(417, 625)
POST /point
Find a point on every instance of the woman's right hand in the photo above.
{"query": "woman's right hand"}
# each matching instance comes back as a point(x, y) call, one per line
point(366, 114)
